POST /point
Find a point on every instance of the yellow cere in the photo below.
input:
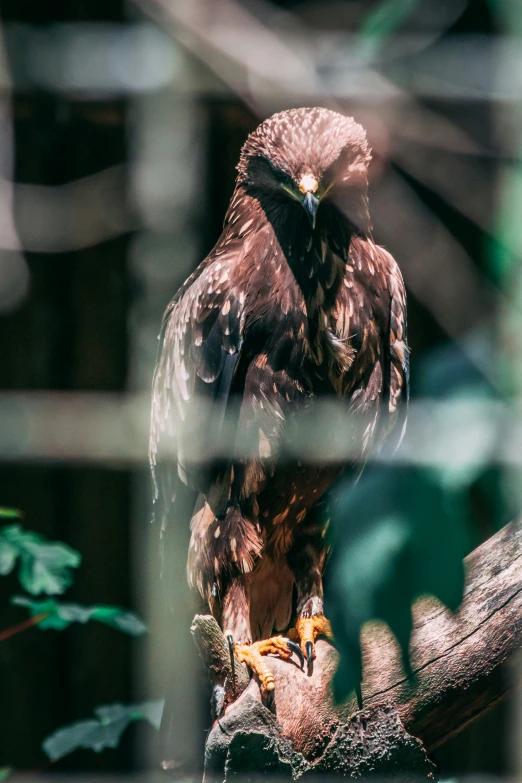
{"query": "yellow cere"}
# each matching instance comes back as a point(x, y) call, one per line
point(308, 184)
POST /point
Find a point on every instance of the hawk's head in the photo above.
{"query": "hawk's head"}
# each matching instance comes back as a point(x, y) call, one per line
point(312, 157)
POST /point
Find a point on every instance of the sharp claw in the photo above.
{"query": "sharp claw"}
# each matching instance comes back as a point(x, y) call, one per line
point(309, 653)
point(297, 650)
point(269, 698)
point(230, 640)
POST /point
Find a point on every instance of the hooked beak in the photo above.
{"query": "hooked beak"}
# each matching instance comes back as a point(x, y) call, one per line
point(311, 204)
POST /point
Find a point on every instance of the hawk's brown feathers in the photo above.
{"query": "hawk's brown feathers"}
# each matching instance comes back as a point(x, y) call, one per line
point(291, 305)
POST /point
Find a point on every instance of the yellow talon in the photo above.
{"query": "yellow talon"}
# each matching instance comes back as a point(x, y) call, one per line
point(252, 655)
point(306, 631)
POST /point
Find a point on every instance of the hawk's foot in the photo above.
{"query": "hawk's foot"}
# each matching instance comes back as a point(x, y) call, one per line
point(306, 631)
point(252, 655)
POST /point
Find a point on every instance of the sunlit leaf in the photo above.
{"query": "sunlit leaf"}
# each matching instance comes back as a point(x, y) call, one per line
point(103, 732)
point(44, 566)
point(61, 615)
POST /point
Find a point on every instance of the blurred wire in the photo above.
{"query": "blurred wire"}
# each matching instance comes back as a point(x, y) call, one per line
point(61, 218)
point(250, 57)
point(14, 272)
point(91, 59)
point(455, 434)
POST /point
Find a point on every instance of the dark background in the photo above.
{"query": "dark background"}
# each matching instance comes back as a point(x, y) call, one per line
point(71, 333)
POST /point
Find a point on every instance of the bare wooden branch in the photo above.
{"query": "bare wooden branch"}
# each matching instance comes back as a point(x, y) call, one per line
point(457, 663)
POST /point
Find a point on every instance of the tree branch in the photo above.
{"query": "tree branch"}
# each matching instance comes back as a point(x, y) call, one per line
point(457, 676)
point(229, 677)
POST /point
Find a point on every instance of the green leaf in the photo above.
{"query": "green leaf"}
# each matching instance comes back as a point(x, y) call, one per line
point(104, 732)
point(10, 513)
point(8, 552)
point(61, 615)
point(401, 532)
point(44, 566)
point(124, 621)
point(89, 734)
point(6, 772)
point(150, 711)
point(8, 556)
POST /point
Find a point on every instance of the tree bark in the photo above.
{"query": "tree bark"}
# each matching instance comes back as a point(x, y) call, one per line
point(457, 675)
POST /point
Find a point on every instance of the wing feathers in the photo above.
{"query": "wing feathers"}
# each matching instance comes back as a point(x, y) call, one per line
point(200, 344)
point(399, 355)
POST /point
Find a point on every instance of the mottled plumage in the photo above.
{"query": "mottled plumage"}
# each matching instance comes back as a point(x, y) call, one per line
point(279, 314)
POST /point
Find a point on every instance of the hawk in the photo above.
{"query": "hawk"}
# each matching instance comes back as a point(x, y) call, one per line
point(295, 303)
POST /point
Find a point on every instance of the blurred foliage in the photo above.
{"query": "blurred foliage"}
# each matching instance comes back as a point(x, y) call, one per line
point(59, 615)
point(400, 533)
point(44, 566)
point(455, 372)
point(104, 732)
point(381, 22)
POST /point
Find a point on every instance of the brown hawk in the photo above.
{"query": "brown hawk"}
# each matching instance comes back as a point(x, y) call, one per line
point(294, 303)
